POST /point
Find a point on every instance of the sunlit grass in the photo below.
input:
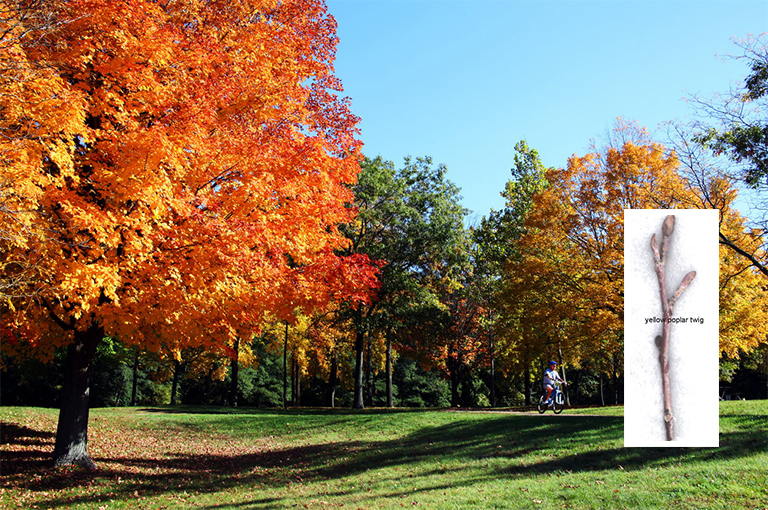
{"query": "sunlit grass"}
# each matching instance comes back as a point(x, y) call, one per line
point(247, 458)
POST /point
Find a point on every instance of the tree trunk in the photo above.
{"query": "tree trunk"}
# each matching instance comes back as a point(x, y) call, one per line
point(285, 368)
point(455, 402)
point(235, 372)
point(368, 362)
point(576, 379)
point(453, 374)
point(602, 397)
point(135, 382)
point(330, 396)
point(493, 368)
point(466, 386)
point(72, 431)
point(178, 368)
point(119, 392)
point(358, 402)
point(293, 381)
point(615, 379)
point(562, 367)
point(390, 400)
point(296, 384)
point(527, 382)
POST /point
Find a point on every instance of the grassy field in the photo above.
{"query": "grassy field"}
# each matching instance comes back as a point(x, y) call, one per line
point(247, 459)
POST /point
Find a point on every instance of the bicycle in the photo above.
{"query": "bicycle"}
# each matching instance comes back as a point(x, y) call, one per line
point(557, 401)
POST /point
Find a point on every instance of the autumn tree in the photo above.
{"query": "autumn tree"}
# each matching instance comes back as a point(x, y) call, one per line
point(461, 343)
point(743, 293)
point(188, 164)
point(566, 288)
point(564, 292)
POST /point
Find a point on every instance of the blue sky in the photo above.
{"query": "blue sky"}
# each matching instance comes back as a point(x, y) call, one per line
point(463, 81)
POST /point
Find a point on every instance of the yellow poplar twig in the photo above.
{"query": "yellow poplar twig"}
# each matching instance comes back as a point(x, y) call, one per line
point(667, 306)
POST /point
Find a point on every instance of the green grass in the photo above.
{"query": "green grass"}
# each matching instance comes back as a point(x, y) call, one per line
point(247, 459)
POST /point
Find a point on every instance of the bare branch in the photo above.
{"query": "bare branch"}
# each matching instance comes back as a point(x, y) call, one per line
point(667, 305)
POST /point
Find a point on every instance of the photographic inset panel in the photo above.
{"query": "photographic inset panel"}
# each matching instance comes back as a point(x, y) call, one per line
point(693, 329)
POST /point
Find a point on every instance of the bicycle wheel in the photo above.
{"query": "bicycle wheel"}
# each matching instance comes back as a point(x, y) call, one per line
point(559, 403)
point(541, 406)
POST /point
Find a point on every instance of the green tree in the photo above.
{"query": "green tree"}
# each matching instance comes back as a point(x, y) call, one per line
point(411, 221)
point(496, 235)
point(735, 125)
point(495, 246)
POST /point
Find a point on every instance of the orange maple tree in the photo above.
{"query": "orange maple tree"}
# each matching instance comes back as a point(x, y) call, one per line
point(185, 166)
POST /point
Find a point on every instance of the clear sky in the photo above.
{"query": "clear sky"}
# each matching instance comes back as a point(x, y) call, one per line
point(463, 81)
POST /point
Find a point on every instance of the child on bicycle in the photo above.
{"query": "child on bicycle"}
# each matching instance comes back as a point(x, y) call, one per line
point(550, 378)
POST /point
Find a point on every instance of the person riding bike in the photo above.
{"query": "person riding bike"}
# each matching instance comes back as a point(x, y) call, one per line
point(550, 378)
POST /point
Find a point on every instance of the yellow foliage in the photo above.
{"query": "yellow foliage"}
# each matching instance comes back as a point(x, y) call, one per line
point(566, 287)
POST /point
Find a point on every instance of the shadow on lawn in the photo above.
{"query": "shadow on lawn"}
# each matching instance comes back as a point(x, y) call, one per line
point(530, 445)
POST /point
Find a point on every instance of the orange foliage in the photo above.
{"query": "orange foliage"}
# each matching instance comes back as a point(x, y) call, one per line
point(566, 288)
point(570, 278)
point(188, 163)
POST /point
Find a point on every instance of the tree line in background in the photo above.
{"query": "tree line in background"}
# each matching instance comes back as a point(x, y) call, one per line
point(186, 217)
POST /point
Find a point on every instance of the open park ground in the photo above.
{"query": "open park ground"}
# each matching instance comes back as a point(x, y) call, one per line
point(218, 458)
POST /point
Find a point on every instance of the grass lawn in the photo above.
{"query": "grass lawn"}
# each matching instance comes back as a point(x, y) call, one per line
point(248, 458)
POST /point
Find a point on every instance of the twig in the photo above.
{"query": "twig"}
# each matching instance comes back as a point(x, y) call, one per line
point(667, 306)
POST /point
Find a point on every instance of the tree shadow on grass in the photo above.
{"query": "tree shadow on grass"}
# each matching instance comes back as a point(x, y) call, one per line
point(291, 411)
point(21, 434)
point(523, 445)
point(32, 456)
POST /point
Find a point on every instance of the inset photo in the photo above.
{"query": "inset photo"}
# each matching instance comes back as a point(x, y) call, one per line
point(671, 334)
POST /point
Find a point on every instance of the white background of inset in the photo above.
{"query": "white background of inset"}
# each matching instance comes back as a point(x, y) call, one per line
point(693, 348)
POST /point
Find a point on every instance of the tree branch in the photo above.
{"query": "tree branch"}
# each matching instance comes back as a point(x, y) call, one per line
point(755, 262)
point(667, 306)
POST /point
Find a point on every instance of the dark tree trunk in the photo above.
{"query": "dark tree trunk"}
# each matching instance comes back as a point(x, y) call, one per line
point(466, 386)
point(295, 382)
point(562, 367)
point(330, 395)
point(615, 379)
point(453, 374)
point(358, 402)
point(493, 369)
point(576, 379)
point(527, 381)
point(135, 382)
point(119, 392)
point(285, 368)
point(454, 389)
point(72, 431)
point(298, 385)
point(602, 397)
point(368, 362)
point(390, 400)
point(235, 365)
point(178, 369)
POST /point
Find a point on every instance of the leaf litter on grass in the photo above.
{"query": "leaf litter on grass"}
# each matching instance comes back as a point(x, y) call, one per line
point(177, 460)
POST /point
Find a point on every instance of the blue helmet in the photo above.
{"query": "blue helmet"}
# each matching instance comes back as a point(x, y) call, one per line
point(552, 363)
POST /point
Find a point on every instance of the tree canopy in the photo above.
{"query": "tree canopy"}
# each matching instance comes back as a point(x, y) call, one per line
point(185, 167)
